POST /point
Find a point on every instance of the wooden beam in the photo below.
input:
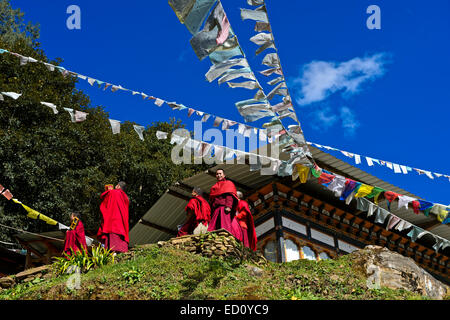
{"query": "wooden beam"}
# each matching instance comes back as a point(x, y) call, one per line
point(378, 234)
point(310, 203)
point(263, 200)
point(158, 227)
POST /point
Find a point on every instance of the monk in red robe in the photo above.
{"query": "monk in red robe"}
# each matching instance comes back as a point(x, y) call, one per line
point(75, 237)
point(198, 215)
point(245, 220)
point(223, 200)
point(113, 231)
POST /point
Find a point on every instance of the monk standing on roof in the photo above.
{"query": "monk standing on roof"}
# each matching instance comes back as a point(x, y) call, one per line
point(223, 200)
point(75, 237)
point(245, 220)
point(113, 232)
point(198, 215)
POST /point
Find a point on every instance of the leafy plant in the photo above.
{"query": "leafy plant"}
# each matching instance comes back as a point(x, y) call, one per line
point(133, 275)
point(101, 256)
point(82, 260)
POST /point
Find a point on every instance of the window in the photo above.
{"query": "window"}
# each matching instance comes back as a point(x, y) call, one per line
point(324, 256)
point(308, 253)
point(270, 251)
point(291, 249)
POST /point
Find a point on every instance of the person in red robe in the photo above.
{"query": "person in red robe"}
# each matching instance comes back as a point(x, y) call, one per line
point(113, 231)
point(245, 221)
point(198, 214)
point(75, 240)
point(223, 200)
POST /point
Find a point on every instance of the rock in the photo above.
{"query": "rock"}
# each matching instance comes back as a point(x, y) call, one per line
point(30, 272)
point(390, 269)
point(161, 243)
point(335, 277)
point(28, 279)
point(7, 282)
point(254, 271)
point(47, 276)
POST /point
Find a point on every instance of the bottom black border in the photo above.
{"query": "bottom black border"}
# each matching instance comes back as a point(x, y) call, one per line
point(227, 309)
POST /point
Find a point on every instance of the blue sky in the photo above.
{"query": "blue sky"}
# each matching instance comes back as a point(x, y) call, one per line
point(378, 93)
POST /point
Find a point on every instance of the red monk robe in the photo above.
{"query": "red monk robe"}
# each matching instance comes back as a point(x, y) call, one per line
point(199, 211)
point(75, 239)
point(223, 195)
point(245, 219)
point(113, 232)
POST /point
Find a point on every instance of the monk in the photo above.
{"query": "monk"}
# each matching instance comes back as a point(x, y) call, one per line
point(75, 237)
point(245, 220)
point(198, 214)
point(113, 231)
point(223, 200)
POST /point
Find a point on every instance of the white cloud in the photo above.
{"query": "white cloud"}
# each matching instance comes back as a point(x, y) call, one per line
point(324, 118)
point(349, 122)
point(319, 79)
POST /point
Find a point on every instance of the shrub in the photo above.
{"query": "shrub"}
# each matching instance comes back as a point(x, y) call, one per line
point(82, 260)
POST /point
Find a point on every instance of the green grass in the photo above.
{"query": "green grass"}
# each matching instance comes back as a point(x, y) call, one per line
point(166, 273)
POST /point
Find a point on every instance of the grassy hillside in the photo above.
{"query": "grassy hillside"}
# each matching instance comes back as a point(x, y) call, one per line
point(156, 273)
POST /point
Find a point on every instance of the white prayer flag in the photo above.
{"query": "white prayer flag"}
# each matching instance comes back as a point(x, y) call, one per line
point(229, 153)
point(140, 131)
point(161, 135)
point(80, 116)
point(248, 131)
point(263, 134)
point(393, 220)
point(72, 115)
point(51, 67)
point(205, 117)
point(115, 126)
point(241, 128)
point(50, 105)
point(428, 174)
point(13, 95)
point(218, 153)
point(62, 227)
point(159, 102)
point(217, 121)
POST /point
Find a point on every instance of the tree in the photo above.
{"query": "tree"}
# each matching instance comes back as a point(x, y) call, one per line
point(56, 166)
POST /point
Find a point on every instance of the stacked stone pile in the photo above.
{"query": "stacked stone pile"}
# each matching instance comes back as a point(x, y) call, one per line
point(219, 243)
